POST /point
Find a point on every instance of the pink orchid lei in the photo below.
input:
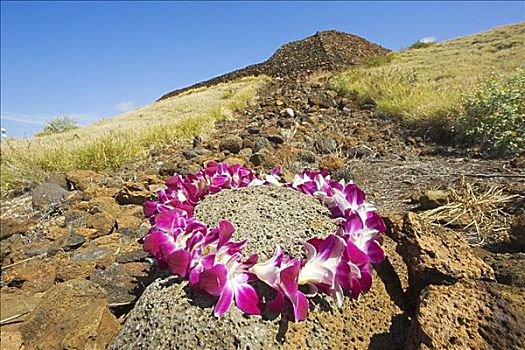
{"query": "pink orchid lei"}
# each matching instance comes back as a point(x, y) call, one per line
point(213, 263)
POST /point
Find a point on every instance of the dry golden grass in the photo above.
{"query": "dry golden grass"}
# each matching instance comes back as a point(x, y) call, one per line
point(479, 211)
point(430, 82)
point(114, 142)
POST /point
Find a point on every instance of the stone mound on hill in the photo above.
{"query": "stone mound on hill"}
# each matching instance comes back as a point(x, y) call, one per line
point(326, 50)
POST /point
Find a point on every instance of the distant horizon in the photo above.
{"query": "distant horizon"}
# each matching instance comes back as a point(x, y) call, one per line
point(96, 60)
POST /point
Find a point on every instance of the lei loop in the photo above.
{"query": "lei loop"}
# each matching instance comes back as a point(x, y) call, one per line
point(213, 263)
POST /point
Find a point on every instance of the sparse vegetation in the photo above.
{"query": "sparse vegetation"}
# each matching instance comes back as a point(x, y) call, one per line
point(493, 116)
point(58, 125)
point(425, 87)
point(420, 45)
point(112, 143)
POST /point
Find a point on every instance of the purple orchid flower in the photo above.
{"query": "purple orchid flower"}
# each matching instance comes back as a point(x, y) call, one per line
point(229, 282)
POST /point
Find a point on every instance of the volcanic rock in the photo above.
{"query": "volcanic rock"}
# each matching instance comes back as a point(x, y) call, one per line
point(82, 179)
point(469, 315)
point(171, 315)
point(47, 194)
point(232, 144)
point(435, 255)
point(71, 315)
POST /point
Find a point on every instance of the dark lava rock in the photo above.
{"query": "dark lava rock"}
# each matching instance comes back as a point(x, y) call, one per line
point(123, 282)
point(47, 194)
point(232, 144)
point(260, 143)
point(326, 50)
point(277, 139)
point(189, 154)
point(69, 241)
point(321, 101)
point(509, 268)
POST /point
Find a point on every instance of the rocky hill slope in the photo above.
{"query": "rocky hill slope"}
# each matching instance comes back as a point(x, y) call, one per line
point(74, 275)
point(325, 50)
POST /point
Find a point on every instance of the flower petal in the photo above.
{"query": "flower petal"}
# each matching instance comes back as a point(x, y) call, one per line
point(214, 280)
point(225, 301)
point(246, 299)
point(178, 262)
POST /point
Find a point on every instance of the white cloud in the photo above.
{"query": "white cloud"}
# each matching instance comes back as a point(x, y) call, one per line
point(125, 106)
point(428, 39)
point(25, 119)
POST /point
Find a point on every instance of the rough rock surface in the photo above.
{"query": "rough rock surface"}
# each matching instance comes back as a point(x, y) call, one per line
point(469, 315)
point(47, 194)
point(267, 216)
point(71, 315)
point(435, 255)
point(170, 315)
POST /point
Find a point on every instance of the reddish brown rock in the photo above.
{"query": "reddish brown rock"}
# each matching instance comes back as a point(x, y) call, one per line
point(12, 303)
point(133, 193)
point(71, 315)
point(33, 275)
point(435, 255)
point(83, 179)
point(103, 222)
point(469, 315)
point(9, 227)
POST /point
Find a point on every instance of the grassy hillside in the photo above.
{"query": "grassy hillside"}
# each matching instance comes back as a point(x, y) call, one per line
point(425, 85)
point(114, 142)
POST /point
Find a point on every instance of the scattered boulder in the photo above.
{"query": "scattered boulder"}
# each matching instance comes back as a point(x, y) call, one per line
point(189, 154)
point(261, 143)
point(264, 158)
point(71, 315)
point(321, 100)
point(103, 222)
point(233, 144)
point(133, 193)
point(69, 241)
point(46, 195)
point(275, 138)
point(469, 315)
point(82, 179)
point(59, 180)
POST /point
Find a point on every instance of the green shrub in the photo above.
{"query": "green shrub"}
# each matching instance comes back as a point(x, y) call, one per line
point(58, 125)
point(493, 117)
point(420, 45)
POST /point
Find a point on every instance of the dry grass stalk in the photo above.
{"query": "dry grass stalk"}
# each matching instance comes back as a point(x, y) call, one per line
point(479, 212)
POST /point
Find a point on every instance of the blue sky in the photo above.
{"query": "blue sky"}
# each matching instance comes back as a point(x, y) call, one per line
point(93, 60)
